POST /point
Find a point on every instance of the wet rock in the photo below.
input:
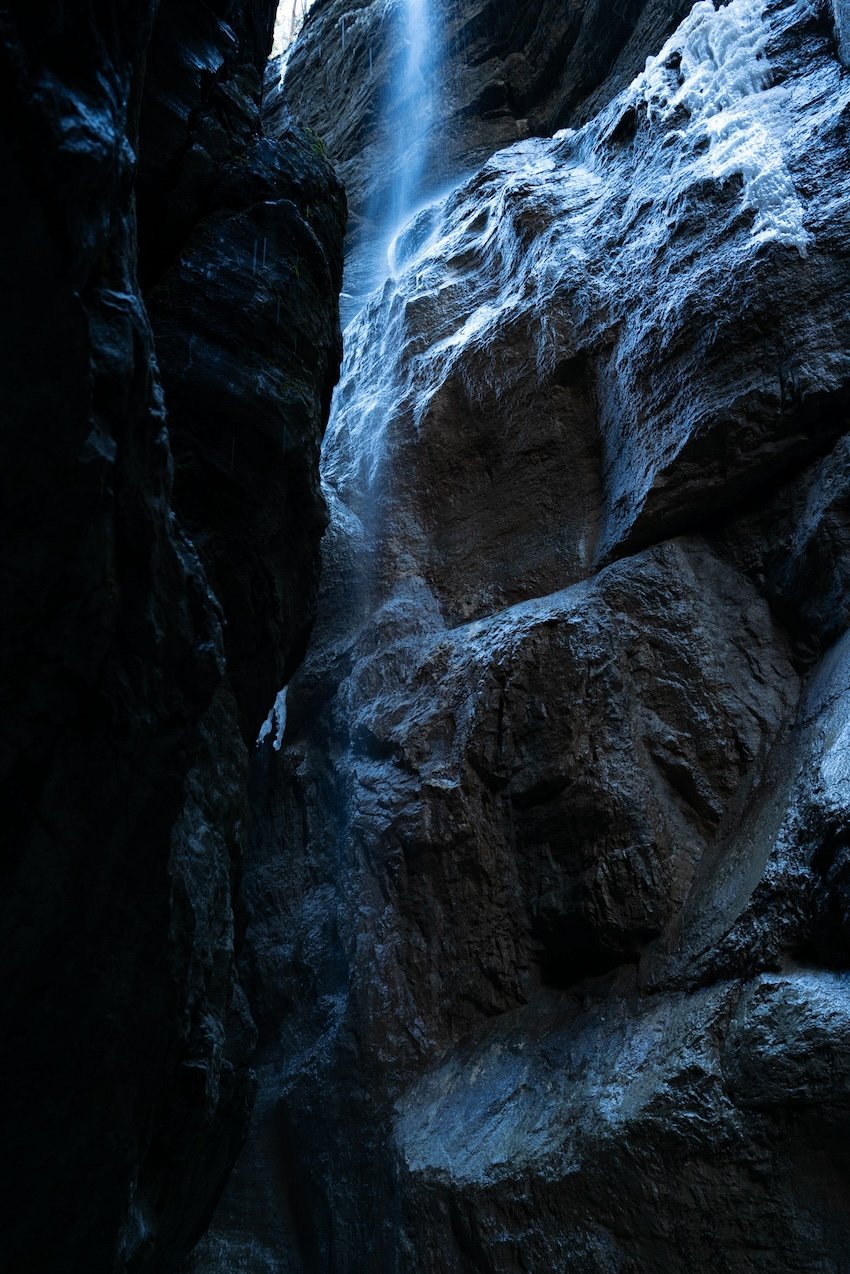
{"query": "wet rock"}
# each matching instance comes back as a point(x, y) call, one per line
point(546, 943)
point(787, 1045)
point(240, 233)
point(841, 16)
point(247, 413)
point(633, 1123)
point(501, 74)
point(126, 1085)
point(571, 300)
point(796, 547)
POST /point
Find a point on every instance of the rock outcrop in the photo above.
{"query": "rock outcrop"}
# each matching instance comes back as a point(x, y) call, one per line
point(500, 73)
point(547, 938)
point(239, 233)
point(150, 615)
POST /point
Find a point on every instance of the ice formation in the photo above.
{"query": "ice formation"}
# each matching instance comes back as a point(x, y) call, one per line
point(631, 221)
point(715, 70)
point(275, 722)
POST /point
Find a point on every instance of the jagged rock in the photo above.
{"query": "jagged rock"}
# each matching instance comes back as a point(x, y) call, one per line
point(126, 1087)
point(797, 546)
point(499, 74)
point(247, 415)
point(567, 306)
point(546, 942)
point(240, 232)
point(841, 14)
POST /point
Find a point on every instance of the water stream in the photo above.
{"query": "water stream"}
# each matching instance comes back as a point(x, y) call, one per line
point(399, 182)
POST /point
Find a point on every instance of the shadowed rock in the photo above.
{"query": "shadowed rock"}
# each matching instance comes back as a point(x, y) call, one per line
point(126, 1085)
point(547, 940)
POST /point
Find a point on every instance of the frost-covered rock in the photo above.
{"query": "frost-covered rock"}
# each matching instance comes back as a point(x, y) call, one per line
point(571, 306)
point(841, 12)
point(496, 74)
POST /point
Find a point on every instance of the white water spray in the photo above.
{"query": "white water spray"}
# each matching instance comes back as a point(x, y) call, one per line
point(400, 177)
point(411, 112)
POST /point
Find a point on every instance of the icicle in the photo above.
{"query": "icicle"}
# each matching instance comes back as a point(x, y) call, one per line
point(275, 722)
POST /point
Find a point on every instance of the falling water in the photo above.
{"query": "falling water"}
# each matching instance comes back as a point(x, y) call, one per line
point(400, 178)
point(400, 184)
point(411, 112)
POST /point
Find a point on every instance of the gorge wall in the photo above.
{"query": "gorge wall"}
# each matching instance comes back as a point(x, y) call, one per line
point(503, 73)
point(547, 931)
point(521, 942)
point(169, 343)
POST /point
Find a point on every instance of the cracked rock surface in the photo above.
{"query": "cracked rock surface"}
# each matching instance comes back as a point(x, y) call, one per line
point(547, 937)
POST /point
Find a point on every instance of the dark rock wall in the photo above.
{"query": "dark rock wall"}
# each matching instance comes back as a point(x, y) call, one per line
point(547, 940)
point(139, 551)
point(239, 248)
point(841, 13)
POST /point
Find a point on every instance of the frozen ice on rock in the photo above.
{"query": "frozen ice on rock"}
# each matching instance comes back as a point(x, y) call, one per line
point(715, 69)
point(275, 722)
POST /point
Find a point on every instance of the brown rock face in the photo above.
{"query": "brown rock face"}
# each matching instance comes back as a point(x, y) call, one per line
point(484, 75)
point(547, 938)
point(127, 595)
point(500, 73)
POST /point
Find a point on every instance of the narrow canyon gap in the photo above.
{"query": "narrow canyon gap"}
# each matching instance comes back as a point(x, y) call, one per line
point(169, 345)
point(426, 758)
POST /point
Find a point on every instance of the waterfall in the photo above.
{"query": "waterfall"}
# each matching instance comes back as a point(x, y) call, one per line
point(409, 110)
point(401, 172)
point(410, 113)
point(574, 373)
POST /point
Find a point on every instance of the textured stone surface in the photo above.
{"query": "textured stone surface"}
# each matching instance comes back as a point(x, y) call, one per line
point(547, 937)
point(124, 771)
point(240, 253)
point(503, 73)
point(248, 344)
point(841, 14)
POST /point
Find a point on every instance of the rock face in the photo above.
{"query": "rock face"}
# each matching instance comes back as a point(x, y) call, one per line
point(500, 73)
point(547, 937)
point(240, 252)
point(841, 14)
point(135, 595)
